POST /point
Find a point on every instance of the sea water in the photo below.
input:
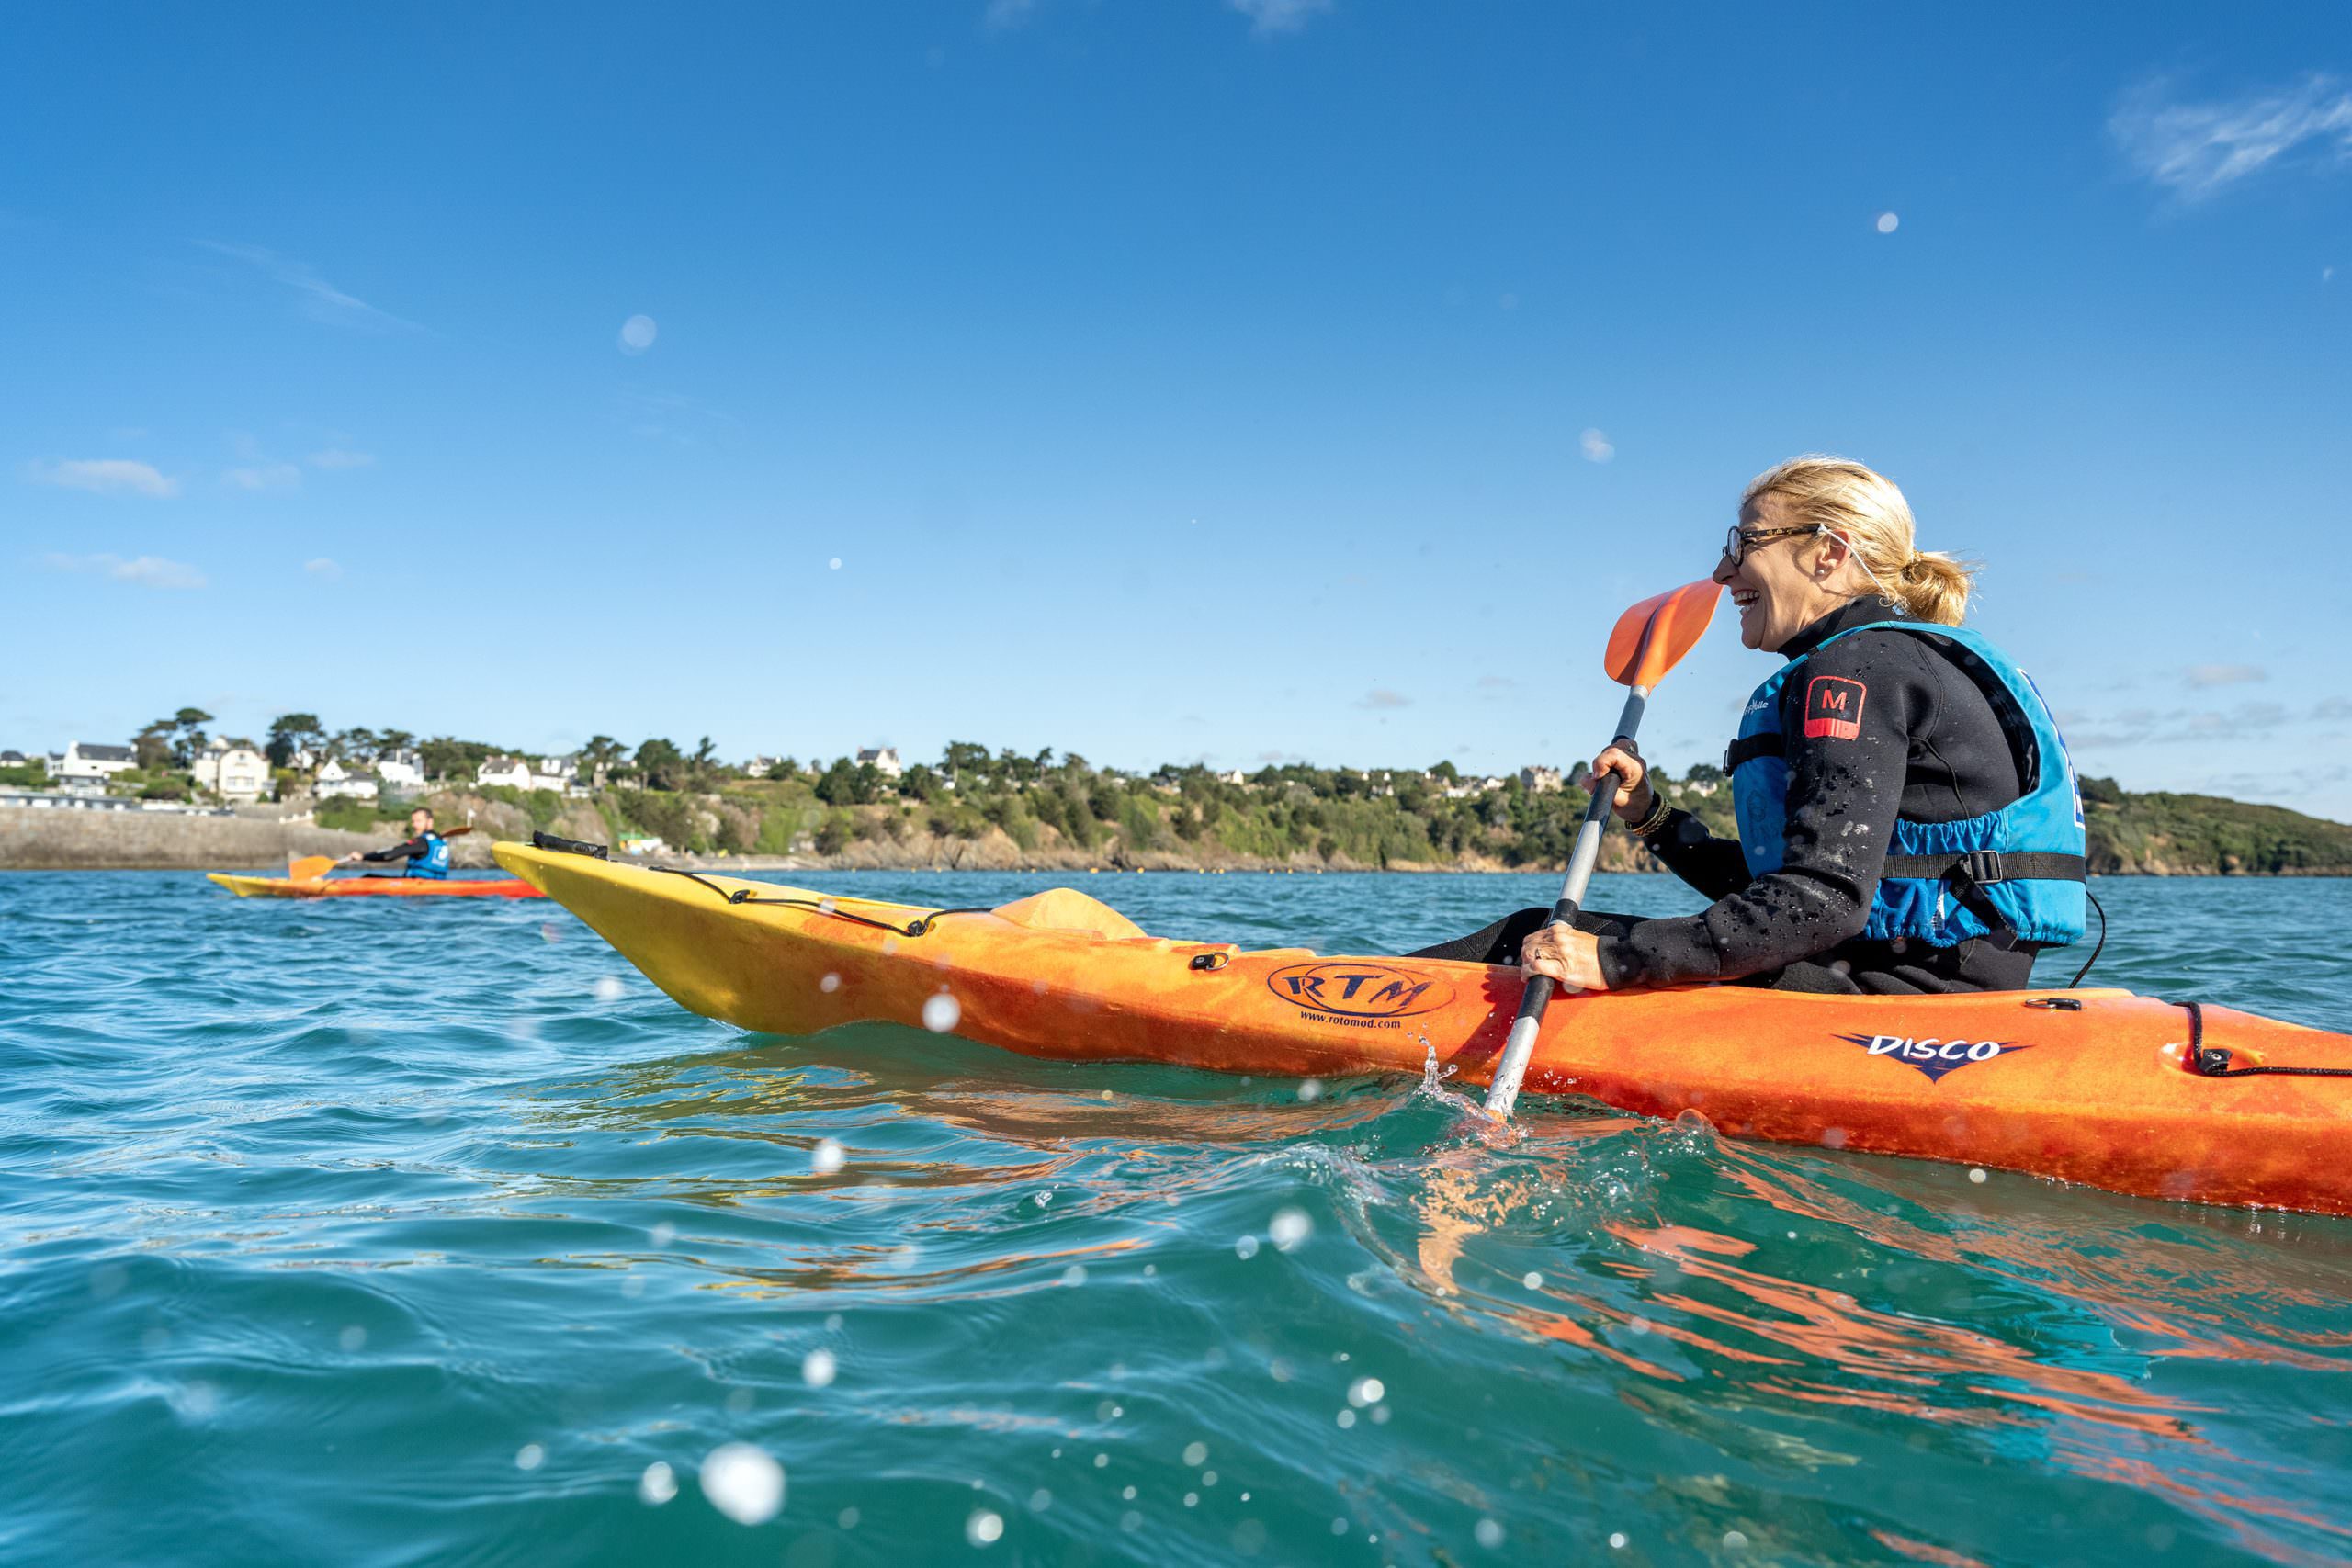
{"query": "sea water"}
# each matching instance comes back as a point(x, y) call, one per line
point(368, 1231)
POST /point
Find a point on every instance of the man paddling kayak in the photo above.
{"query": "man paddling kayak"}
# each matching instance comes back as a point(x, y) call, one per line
point(1908, 816)
point(426, 852)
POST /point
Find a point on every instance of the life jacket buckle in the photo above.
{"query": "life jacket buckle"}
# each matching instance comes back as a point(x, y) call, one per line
point(1983, 866)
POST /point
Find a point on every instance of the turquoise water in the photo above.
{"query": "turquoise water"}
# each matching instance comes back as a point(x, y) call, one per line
point(372, 1233)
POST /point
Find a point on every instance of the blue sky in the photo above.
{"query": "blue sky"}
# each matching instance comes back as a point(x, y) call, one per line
point(1198, 379)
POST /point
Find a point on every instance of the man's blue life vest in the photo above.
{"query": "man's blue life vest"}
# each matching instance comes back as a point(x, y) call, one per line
point(2021, 868)
point(434, 862)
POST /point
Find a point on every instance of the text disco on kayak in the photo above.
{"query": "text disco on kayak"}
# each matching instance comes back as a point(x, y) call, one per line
point(1932, 1057)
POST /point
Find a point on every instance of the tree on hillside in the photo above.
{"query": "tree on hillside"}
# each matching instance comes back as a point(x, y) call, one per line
point(786, 768)
point(292, 732)
point(661, 764)
point(600, 757)
point(920, 782)
point(445, 756)
point(393, 740)
point(962, 758)
point(150, 749)
point(1447, 771)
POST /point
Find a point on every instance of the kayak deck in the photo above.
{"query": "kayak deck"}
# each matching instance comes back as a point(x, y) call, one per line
point(2089, 1086)
point(370, 887)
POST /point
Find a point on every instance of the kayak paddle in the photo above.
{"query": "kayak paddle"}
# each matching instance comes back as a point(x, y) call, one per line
point(308, 868)
point(1648, 641)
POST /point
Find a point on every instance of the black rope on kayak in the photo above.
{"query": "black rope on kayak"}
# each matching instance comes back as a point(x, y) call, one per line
point(917, 927)
point(2213, 1061)
point(2102, 941)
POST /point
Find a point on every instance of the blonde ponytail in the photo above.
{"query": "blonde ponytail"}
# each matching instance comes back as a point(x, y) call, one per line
point(1864, 509)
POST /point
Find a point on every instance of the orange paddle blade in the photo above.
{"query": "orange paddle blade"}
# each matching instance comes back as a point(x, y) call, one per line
point(453, 833)
point(1651, 638)
point(308, 868)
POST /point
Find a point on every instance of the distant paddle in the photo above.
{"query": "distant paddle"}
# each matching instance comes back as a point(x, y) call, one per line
point(1648, 641)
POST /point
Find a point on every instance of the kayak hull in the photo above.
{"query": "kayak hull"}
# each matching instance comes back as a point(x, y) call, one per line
point(2089, 1086)
point(374, 887)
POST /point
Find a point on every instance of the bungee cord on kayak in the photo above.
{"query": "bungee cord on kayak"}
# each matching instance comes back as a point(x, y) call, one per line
point(2213, 1061)
point(917, 927)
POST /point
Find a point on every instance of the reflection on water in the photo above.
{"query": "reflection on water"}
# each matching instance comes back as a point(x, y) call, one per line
point(297, 1269)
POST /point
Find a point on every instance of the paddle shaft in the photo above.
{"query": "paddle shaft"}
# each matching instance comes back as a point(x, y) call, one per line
point(1502, 1090)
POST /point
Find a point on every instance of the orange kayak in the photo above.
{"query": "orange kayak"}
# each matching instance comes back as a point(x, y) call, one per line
point(373, 886)
point(2131, 1094)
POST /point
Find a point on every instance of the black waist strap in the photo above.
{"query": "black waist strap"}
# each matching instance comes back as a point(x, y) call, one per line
point(1748, 748)
point(1989, 867)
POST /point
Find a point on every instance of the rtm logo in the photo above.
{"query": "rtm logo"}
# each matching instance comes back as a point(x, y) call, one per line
point(1932, 1057)
point(1359, 990)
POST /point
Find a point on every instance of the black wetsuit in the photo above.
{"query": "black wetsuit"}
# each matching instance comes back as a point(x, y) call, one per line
point(415, 849)
point(1931, 747)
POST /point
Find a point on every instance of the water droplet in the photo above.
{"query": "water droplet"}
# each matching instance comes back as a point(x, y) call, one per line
point(1100, 1461)
point(1532, 1280)
point(1192, 1499)
point(941, 1013)
point(847, 1518)
point(827, 1157)
point(1888, 222)
point(1312, 1089)
point(829, 984)
point(663, 1233)
point(1074, 1275)
point(1245, 1247)
point(637, 335)
point(1346, 1418)
point(738, 1401)
point(1735, 1541)
point(1290, 1228)
point(1195, 1455)
point(819, 1368)
point(1128, 1494)
point(608, 989)
point(835, 564)
point(1040, 1500)
point(1338, 1527)
point(1976, 1176)
point(1131, 1521)
point(1367, 1390)
point(658, 1484)
point(108, 1279)
point(530, 1456)
point(983, 1528)
point(352, 1339)
point(743, 1483)
point(1616, 1540)
point(1489, 1534)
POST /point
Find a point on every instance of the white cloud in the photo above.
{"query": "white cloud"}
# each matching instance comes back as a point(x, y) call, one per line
point(1280, 16)
point(1381, 699)
point(320, 301)
point(105, 476)
point(154, 571)
point(264, 476)
point(323, 567)
point(2197, 150)
point(2225, 674)
point(1596, 446)
point(339, 458)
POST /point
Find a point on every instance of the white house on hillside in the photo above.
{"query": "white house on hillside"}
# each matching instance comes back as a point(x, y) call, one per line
point(89, 767)
point(333, 780)
point(232, 773)
point(512, 771)
point(401, 770)
point(558, 773)
point(884, 760)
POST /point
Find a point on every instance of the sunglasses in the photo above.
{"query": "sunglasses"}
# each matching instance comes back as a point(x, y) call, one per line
point(1736, 539)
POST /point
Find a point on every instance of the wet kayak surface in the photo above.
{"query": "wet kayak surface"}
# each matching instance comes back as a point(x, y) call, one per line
point(366, 1234)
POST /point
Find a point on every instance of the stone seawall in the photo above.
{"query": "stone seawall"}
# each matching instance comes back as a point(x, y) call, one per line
point(38, 839)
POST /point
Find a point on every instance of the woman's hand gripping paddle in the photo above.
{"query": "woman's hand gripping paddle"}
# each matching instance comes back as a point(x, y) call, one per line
point(1649, 639)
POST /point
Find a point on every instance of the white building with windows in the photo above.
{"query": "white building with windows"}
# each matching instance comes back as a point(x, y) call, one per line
point(88, 768)
point(885, 760)
point(333, 781)
point(232, 773)
point(561, 774)
point(401, 770)
point(512, 771)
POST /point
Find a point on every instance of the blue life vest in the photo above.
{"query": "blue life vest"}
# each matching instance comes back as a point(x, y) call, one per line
point(434, 863)
point(2019, 868)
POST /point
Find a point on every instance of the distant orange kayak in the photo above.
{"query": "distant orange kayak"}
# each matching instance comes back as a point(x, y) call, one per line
point(373, 886)
point(2159, 1099)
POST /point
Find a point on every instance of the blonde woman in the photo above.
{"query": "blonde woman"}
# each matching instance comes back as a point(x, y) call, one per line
point(1908, 817)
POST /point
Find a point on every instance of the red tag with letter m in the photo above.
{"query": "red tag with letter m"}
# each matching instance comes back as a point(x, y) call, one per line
point(1833, 706)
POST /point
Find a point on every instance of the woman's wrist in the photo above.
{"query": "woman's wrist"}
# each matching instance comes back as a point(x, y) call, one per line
point(1650, 821)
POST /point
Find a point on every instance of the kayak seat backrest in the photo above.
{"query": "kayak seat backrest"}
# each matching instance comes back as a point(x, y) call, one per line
point(1066, 909)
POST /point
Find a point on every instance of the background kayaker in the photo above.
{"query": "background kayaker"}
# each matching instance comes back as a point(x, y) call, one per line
point(426, 852)
point(1873, 774)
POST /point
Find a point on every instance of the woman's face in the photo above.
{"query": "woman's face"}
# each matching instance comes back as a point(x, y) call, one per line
point(1778, 586)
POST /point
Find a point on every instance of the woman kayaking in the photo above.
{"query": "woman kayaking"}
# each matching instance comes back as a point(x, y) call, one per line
point(1908, 817)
